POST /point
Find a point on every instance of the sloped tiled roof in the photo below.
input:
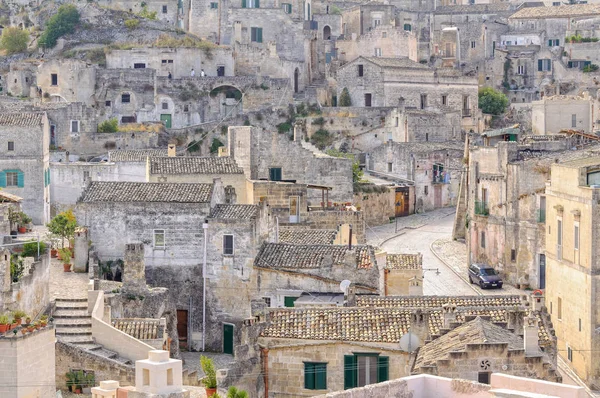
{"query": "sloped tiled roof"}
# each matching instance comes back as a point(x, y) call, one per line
point(286, 256)
point(134, 155)
point(383, 325)
point(563, 11)
point(306, 236)
point(194, 165)
point(9, 197)
point(396, 63)
point(234, 212)
point(404, 261)
point(112, 191)
point(473, 8)
point(438, 301)
point(24, 119)
point(477, 331)
point(140, 328)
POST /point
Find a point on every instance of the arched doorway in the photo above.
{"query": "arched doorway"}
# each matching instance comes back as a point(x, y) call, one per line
point(326, 33)
point(296, 78)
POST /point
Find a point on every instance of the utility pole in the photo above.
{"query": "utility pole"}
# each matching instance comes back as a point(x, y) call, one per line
point(205, 230)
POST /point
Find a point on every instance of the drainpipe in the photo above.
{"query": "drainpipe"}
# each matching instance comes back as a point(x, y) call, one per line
point(265, 354)
point(350, 238)
point(205, 230)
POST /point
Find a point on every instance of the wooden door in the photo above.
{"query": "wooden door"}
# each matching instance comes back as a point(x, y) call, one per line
point(182, 328)
point(437, 196)
point(401, 202)
point(227, 339)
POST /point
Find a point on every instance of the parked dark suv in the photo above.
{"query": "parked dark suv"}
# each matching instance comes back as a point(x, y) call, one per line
point(485, 276)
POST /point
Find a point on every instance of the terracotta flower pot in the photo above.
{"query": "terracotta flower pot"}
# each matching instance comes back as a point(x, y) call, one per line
point(22, 230)
point(30, 329)
point(27, 321)
point(78, 390)
point(18, 321)
point(54, 253)
point(4, 328)
point(14, 326)
point(67, 267)
point(23, 330)
point(210, 392)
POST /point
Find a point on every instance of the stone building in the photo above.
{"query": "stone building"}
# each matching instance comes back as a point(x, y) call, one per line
point(432, 168)
point(167, 11)
point(403, 275)
point(178, 61)
point(269, 155)
point(507, 207)
point(550, 115)
point(8, 203)
point(572, 257)
point(374, 81)
point(381, 41)
point(67, 80)
point(196, 169)
point(24, 161)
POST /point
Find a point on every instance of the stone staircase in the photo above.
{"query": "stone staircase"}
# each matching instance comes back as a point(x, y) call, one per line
point(190, 378)
point(73, 325)
point(315, 151)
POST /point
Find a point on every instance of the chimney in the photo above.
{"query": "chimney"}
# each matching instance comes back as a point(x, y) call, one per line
point(350, 238)
point(134, 269)
point(449, 312)
point(172, 148)
point(530, 336)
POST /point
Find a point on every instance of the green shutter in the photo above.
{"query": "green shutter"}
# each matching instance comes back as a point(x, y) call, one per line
point(321, 376)
point(289, 301)
point(257, 4)
point(350, 371)
point(558, 42)
point(2, 179)
point(540, 65)
point(48, 176)
point(20, 180)
point(309, 376)
point(259, 35)
point(243, 3)
point(570, 64)
point(549, 43)
point(383, 372)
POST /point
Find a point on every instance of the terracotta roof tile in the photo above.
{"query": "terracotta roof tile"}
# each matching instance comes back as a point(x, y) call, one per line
point(563, 11)
point(112, 191)
point(140, 328)
point(404, 261)
point(194, 165)
point(438, 301)
point(24, 119)
point(306, 236)
point(134, 155)
point(286, 256)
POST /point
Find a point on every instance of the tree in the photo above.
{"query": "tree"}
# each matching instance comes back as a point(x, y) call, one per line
point(60, 24)
point(492, 101)
point(345, 99)
point(109, 126)
point(14, 40)
point(63, 226)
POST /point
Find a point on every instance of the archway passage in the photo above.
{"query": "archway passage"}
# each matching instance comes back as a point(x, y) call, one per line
point(296, 78)
point(326, 33)
point(229, 91)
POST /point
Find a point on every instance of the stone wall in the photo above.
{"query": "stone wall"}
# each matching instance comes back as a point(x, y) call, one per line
point(31, 294)
point(277, 196)
point(377, 207)
point(29, 364)
point(332, 219)
point(69, 357)
point(75, 80)
point(394, 42)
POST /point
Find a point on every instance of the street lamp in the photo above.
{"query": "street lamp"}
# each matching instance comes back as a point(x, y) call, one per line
point(437, 271)
point(397, 205)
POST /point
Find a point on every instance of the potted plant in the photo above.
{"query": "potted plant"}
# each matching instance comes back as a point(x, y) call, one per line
point(23, 330)
point(63, 226)
point(44, 320)
point(4, 323)
point(70, 376)
point(18, 315)
point(27, 320)
point(210, 379)
point(30, 328)
point(79, 380)
point(13, 217)
point(235, 393)
point(65, 256)
point(24, 220)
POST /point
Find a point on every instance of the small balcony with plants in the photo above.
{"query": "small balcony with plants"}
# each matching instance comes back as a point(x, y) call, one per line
point(481, 208)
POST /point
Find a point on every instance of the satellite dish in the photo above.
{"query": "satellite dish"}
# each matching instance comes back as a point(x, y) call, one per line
point(409, 342)
point(344, 285)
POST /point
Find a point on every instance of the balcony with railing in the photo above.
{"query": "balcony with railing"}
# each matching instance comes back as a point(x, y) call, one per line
point(481, 208)
point(540, 215)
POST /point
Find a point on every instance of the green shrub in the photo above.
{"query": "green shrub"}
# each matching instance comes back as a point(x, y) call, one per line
point(345, 99)
point(30, 249)
point(357, 173)
point(14, 40)
point(284, 127)
point(321, 139)
point(60, 24)
point(318, 121)
point(109, 126)
point(590, 68)
point(492, 101)
point(151, 15)
point(132, 23)
point(216, 144)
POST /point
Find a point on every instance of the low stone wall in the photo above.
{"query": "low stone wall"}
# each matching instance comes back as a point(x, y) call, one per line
point(377, 207)
point(332, 219)
point(32, 293)
point(69, 357)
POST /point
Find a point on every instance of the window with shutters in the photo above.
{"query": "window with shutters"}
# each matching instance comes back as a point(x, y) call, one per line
point(275, 173)
point(228, 245)
point(287, 7)
point(553, 43)
point(521, 69)
point(250, 3)
point(378, 52)
point(164, 9)
point(214, 6)
point(315, 376)
point(11, 145)
point(364, 369)
point(544, 65)
point(256, 35)
point(12, 179)
point(408, 27)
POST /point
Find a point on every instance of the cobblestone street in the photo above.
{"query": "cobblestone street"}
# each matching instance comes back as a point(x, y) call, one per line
point(430, 234)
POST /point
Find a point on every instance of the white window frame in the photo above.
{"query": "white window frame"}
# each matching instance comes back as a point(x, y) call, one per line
point(378, 52)
point(164, 238)
point(78, 126)
point(232, 245)
point(521, 70)
point(16, 178)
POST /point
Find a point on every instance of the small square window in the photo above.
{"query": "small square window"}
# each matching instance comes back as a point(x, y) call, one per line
point(473, 44)
point(74, 126)
point(186, 108)
point(267, 301)
point(107, 103)
point(228, 245)
point(159, 238)
point(164, 9)
point(214, 5)
point(165, 105)
point(483, 377)
point(169, 61)
point(11, 145)
point(86, 175)
point(125, 98)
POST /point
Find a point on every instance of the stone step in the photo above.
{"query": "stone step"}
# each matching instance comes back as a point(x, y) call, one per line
point(72, 300)
point(71, 305)
point(77, 339)
point(70, 313)
point(103, 352)
point(89, 346)
point(73, 322)
point(74, 331)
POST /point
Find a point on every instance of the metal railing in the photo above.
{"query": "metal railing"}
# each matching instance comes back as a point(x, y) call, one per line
point(481, 208)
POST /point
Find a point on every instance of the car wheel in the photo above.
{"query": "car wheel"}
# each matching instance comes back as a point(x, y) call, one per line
point(470, 279)
point(481, 285)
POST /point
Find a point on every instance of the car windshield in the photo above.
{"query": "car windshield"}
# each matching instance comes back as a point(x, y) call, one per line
point(488, 271)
